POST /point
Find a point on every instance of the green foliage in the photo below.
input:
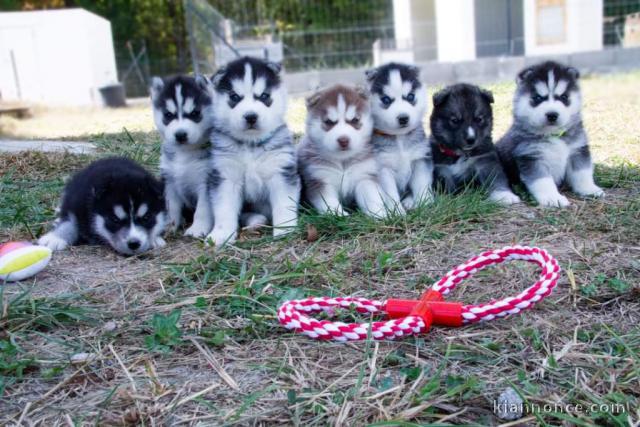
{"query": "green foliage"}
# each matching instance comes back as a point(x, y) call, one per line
point(12, 365)
point(10, 361)
point(166, 333)
point(42, 313)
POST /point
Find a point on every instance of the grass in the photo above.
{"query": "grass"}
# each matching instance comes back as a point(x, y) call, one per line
point(189, 335)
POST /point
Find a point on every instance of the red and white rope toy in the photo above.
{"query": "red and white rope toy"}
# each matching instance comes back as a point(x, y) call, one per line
point(409, 317)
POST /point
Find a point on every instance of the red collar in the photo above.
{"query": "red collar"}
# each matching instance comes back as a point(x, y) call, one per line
point(448, 151)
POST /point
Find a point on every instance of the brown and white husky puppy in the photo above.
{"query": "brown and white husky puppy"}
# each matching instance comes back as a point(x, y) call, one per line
point(335, 158)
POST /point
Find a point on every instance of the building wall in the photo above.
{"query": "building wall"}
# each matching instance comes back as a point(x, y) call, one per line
point(62, 56)
point(456, 32)
point(578, 28)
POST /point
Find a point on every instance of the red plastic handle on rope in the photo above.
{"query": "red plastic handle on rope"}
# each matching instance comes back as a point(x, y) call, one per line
point(443, 313)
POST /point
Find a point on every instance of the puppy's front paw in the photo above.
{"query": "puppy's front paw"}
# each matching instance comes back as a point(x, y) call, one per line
point(591, 191)
point(504, 198)
point(219, 237)
point(282, 231)
point(158, 242)
point(554, 201)
point(408, 203)
point(339, 211)
point(197, 230)
point(53, 242)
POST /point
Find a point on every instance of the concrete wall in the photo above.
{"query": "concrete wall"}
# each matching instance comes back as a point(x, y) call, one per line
point(478, 71)
point(583, 24)
point(456, 31)
point(62, 56)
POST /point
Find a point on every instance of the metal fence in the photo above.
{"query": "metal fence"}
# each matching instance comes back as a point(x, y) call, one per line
point(622, 23)
point(315, 34)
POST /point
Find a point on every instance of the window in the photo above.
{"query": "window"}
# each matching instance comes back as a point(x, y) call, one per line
point(551, 22)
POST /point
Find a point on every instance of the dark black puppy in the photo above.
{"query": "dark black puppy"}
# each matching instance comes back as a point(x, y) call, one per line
point(112, 201)
point(463, 151)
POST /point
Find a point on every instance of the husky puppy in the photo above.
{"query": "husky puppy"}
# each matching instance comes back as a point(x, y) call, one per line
point(253, 162)
point(112, 201)
point(398, 104)
point(182, 113)
point(463, 151)
point(336, 158)
point(547, 145)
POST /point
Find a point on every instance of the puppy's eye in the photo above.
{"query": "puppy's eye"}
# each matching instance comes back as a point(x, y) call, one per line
point(265, 97)
point(234, 97)
point(168, 116)
point(564, 97)
point(411, 97)
point(386, 100)
point(455, 120)
point(115, 219)
point(146, 217)
point(537, 98)
point(355, 121)
point(329, 123)
point(195, 114)
point(479, 120)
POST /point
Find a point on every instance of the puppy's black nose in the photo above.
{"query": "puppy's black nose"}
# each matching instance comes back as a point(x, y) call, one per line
point(403, 120)
point(251, 118)
point(133, 244)
point(343, 142)
point(181, 136)
point(552, 117)
point(470, 140)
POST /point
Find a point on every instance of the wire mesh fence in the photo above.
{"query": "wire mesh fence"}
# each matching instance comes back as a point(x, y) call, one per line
point(314, 34)
point(621, 23)
point(308, 34)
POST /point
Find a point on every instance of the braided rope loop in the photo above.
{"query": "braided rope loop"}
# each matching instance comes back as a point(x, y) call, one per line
point(295, 314)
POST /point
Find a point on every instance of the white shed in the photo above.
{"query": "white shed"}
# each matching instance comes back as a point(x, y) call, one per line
point(55, 57)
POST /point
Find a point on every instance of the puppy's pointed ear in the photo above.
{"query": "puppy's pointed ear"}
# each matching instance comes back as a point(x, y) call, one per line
point(371, 74)
point(156, 186)
point(312, 101)
point(157, 84)
point(440, 97)
point(276, 67)
point(415, 70)
point(217, 76)
point(487, 95)
point(573, 72)
point(100, 190)
point(203, 82)
point(362, 91)
point(523, 75)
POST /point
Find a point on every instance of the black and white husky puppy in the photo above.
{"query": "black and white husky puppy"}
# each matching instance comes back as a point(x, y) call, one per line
point(182, 113)
point(253, 163)
point(112, 201)
point(461, 142)
point(336, 158)
point(547, 145)
point(398, 104)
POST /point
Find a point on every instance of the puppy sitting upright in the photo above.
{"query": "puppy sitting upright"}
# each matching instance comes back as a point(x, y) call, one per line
point(398, 103)
point(112, 201)
point(547, 145)
point(336, 158)
point(253, 158)
point(182, 113)
point(463, 152)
